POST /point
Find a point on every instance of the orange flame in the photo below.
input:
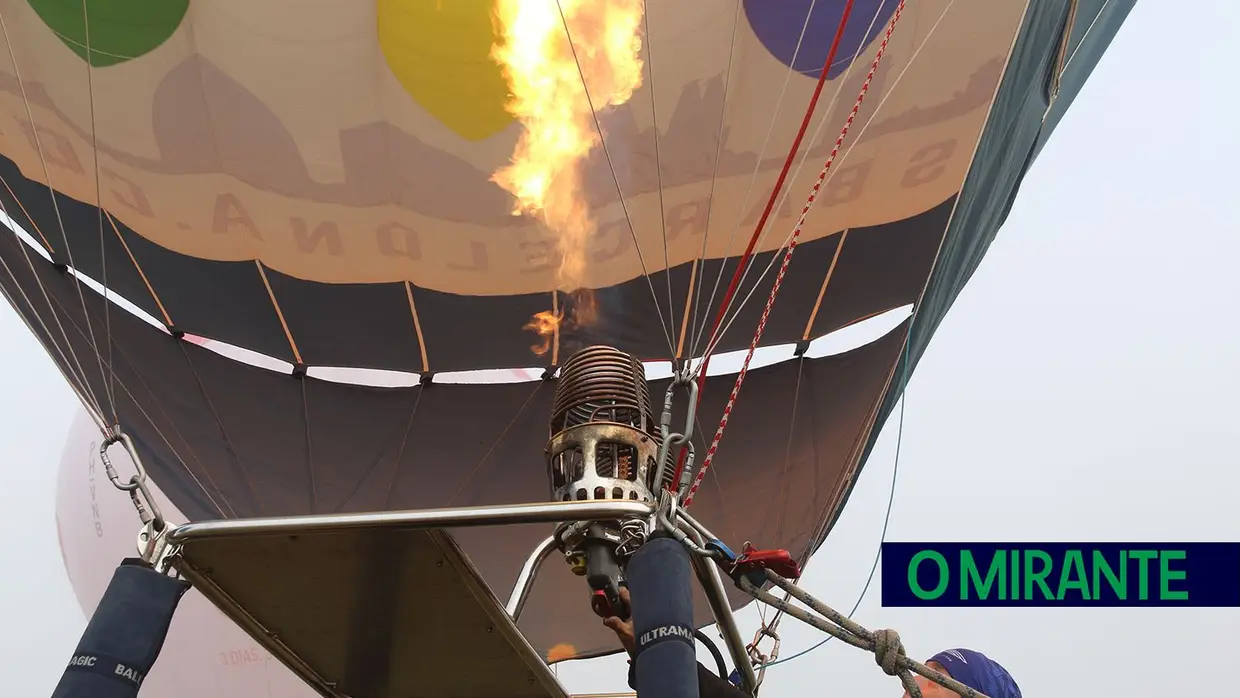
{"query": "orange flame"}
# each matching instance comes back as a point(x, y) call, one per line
point(546, 76)
point(545, 325)
point(549, 322)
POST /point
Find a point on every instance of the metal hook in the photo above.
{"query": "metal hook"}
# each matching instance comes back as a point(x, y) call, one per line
point(685, 381)
point(115, 436)
point(686, 475)
point(148, 510)
point(665, 450)
point(683, 438)
point(760, 660)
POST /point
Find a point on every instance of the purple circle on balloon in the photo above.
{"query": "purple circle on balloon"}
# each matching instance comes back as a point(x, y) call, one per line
point(778, 23)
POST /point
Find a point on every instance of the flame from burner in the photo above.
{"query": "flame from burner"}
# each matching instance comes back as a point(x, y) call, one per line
point(545, 73)
point(546, 324)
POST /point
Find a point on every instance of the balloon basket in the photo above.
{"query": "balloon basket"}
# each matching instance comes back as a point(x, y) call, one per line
point(386, 604)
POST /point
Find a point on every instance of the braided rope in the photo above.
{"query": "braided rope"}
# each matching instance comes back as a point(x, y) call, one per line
point(886, 645)
point(783, 269)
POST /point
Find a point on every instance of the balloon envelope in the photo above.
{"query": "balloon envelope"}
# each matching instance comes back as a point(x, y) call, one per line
point(314, 184)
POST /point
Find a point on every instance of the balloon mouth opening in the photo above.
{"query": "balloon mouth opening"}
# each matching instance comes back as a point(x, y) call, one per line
point(848, 338)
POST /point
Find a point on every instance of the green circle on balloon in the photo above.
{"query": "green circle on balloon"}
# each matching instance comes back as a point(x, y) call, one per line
point(119, 30)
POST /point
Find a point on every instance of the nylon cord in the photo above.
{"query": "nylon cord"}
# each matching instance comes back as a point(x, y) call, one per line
point(891, 496)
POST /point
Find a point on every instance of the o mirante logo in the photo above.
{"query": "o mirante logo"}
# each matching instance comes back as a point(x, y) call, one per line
point(1061, 574)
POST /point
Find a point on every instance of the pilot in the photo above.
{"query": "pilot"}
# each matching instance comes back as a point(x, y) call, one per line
point(973, 669)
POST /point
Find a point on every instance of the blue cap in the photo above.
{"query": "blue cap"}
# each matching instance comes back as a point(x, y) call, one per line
point(979, 672)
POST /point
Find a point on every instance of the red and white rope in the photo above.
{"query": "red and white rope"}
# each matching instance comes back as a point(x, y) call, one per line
point(783, 269)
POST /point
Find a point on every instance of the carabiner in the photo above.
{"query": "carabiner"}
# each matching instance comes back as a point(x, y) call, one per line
point(687, 381)
point(115, 436)
point(148, 510)
point(760, 660)
point(682, 438)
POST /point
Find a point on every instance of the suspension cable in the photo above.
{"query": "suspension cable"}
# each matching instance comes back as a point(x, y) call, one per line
point(783, 269)
point(726, 301)
point(737, 276)
point(882, 537)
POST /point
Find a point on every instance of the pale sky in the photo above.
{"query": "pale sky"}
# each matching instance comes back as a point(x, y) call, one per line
point(1080, 389)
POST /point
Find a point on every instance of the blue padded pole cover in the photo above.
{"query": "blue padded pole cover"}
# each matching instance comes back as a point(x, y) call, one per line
point(660, 587)
point(124, 635)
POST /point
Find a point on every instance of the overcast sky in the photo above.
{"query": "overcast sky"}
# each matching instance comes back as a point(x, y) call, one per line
point(1082, 388)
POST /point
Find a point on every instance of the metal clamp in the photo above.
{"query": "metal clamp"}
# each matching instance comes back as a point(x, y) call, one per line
point(154, 548)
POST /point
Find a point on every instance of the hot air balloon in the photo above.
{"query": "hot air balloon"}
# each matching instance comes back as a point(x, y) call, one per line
point(434, 188)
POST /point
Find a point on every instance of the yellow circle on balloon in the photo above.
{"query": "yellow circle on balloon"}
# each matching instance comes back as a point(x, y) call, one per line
point(440, 50)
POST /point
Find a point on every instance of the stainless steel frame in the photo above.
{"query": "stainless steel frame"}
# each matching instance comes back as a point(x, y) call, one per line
point(455, 517)
point(525, 580)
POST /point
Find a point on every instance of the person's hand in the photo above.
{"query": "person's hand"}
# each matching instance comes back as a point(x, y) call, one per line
point(623, 628)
